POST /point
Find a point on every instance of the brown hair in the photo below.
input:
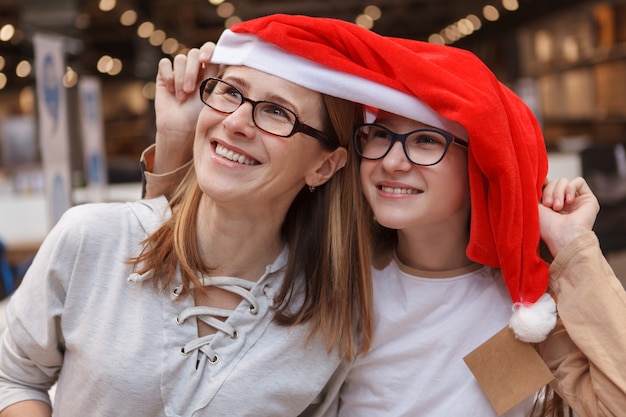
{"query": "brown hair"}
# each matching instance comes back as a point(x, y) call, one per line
point(549, 404)
point(326, 232)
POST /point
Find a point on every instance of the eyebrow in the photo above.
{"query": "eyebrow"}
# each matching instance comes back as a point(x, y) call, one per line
point(243, 83)
point(236, 80)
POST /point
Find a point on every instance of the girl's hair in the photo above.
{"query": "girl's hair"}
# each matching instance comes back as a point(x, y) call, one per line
point(549, 404)
point(326, 232)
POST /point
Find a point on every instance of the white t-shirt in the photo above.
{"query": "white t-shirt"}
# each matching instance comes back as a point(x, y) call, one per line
point(424, 326)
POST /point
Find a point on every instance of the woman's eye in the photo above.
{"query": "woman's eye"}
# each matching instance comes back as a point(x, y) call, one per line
point(233, 92)
point(277, 111)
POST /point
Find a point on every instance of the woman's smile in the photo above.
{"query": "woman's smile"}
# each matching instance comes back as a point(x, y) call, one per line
point(234, 156)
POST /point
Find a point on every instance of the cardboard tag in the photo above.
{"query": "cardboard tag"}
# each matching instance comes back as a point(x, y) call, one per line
point(507, 370)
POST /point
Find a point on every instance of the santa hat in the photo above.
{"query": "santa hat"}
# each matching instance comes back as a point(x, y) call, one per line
point(444, 87)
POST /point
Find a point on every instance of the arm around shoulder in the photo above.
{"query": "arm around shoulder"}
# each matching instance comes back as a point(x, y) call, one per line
point(587, 350)
point(156, 184)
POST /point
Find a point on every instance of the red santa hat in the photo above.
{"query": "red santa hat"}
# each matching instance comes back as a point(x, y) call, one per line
point(444, 87)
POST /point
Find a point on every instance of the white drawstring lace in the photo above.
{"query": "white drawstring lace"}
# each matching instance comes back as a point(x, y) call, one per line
point(211, 315)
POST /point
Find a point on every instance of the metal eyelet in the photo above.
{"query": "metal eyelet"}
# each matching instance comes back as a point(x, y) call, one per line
point(182, 351)
point(253, 310)
point(176, 291)
point(178, 321)
point(214, 360)
point(235, 334)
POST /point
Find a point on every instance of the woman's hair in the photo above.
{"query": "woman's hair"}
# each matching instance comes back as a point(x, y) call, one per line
point(326, 232)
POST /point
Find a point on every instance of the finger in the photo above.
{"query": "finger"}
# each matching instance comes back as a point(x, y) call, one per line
point(206, 50)
point(165, 74)
point(572, 190)
point(207, 69)
point(554, 193)
point(180, 63)
point(192, 68)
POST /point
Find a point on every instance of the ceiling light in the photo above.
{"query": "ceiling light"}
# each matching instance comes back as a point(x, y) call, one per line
point(106, 5)
point(70, 78)
point(510, 5)
point(373, 12)
point(225, 10)
point(169, 46)
point(23, 69)
point(491, 13)
point(6, 32)
point(104, 64)
point(233, 20)
point(128, 18)
point(116, 67)
point(365, 21)
point(157, 38)
point(436, 38)
point(475, 21)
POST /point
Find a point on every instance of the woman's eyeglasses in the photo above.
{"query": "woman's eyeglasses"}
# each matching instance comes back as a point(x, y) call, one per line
point(267, 116)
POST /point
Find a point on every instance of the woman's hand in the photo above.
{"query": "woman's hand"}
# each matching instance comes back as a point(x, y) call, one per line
point(567, 209)
point(177, 105)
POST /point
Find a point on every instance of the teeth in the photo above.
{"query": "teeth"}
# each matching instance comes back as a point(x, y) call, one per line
point(233, 156)
point(399, 190)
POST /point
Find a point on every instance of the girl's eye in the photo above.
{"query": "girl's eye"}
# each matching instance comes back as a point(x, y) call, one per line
point(429, 139)
point(379, 134)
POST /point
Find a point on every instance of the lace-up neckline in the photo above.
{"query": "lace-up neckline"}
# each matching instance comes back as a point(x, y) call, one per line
point(217, 318)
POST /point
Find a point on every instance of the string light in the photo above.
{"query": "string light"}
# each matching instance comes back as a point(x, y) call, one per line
point(490, 13)
point(471, 23)
point(6, 32)
point(106, 5)
point(23, 69)
point(128, 18)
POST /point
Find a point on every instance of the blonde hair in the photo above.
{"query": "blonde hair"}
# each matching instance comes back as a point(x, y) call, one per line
point(329, 245)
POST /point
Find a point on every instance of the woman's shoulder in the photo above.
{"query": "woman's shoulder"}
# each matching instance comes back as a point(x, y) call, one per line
point(111, 213)
point(99, 222)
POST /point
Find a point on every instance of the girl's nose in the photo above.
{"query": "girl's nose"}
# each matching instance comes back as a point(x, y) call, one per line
point(396, 160)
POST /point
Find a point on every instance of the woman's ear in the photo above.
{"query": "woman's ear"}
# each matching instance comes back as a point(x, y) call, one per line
point(332, 163)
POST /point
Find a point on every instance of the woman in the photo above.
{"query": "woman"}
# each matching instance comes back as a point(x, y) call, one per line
point(442, 288)
point(235, 298)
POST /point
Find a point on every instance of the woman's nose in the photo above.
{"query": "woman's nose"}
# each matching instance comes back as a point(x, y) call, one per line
point(240, 121)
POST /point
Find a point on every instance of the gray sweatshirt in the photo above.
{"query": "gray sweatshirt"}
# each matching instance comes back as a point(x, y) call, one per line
point(114, 345)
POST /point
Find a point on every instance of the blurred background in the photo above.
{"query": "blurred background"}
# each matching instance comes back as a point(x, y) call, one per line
point(77, 89)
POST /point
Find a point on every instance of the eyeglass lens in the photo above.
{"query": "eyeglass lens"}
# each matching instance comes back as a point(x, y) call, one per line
point(270, 117)
point(422, 147)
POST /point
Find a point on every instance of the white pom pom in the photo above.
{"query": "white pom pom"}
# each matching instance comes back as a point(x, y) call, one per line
point(531, 323)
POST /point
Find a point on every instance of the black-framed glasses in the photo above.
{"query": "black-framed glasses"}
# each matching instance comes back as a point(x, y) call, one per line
point(423, 147)
point(267, 116)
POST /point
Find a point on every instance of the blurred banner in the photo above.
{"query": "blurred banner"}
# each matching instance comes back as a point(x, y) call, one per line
point(53, 123)
point(92, 132)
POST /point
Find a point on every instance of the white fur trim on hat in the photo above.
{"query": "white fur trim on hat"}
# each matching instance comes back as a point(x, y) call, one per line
point(249, 50)
point(531, 323)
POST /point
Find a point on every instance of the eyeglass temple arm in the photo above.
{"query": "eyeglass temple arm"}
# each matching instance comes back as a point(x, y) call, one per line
point(319, 135)
point(460, 142)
